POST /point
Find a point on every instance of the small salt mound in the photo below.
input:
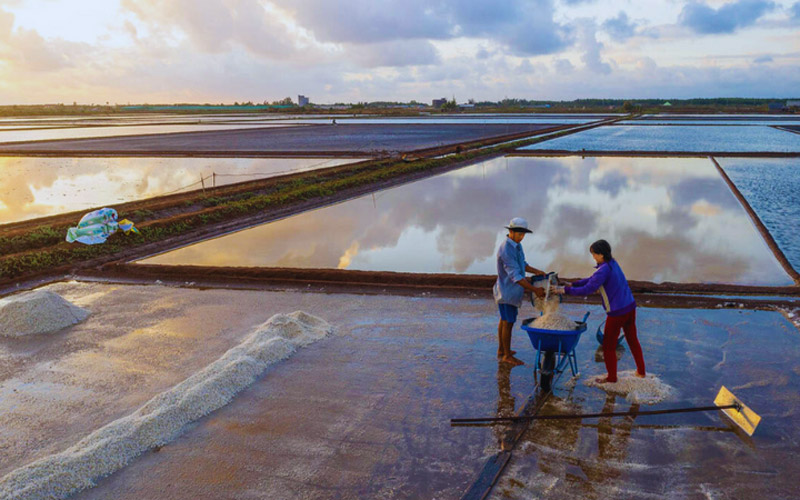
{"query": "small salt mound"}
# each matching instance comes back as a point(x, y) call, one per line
point(162, 418)
point(37, 312)
point(648, 390)
point(554, 321)
point(553, 318)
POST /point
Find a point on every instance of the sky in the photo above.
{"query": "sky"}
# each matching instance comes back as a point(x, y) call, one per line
point(222, 51)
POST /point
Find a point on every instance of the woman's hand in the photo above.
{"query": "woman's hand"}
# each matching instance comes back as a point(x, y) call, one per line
point(557, 290)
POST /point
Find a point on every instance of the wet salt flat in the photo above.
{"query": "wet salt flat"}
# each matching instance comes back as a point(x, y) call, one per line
point(772, 187)
point(676, 138)
point(667, 220)
point(36, 187)
point(447, 120)
point(360, 414)
point(44, 134)
point(365, 412)
point(698, 455)
point(372, 138)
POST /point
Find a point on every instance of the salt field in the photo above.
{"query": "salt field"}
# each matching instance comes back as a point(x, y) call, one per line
point(674, 219)
point(530, 250)
point(466, 120)
point(772, 188)
point(366, 138)
point(45, 134)
point(37, 187)
point(698, 138)
point(291, 393)
point(697, 455)
point(364, 412)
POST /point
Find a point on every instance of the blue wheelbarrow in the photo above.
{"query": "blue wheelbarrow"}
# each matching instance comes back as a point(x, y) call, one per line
point(554, 348)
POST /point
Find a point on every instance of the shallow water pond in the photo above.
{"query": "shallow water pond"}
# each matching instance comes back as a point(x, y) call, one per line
point(676, 138)
point(772, 187)
point(36, 187)
point(44, 134)
point(667, 220)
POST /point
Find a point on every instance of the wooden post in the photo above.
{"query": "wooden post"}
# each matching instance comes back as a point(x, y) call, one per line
point(203, 183)
point(214, 178)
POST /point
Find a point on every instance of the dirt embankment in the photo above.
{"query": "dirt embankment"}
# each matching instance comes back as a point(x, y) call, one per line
point(648, 294)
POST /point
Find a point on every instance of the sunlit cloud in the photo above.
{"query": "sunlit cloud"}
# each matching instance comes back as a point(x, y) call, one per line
point(362, 50)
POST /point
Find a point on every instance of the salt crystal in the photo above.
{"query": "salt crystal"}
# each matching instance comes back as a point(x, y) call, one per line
point(648, 390)
point(553, 318)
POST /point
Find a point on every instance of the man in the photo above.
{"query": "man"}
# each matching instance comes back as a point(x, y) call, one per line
point(511, 286)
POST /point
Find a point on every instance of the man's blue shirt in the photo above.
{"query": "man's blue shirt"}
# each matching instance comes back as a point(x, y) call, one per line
point(510, 269)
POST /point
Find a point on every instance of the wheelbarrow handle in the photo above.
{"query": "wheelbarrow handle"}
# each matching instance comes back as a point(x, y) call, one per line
point(585, 316)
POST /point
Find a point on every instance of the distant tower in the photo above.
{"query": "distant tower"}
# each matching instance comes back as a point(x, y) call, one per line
point(302, 100)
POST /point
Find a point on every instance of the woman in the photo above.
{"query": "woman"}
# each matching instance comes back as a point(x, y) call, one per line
point(619, 304)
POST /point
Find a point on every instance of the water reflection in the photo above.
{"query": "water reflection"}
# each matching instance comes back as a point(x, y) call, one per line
point(772, 187)
point(36, 187)
point(506, 402)
point(677, 138)
point(43, 134)
point(667, 219)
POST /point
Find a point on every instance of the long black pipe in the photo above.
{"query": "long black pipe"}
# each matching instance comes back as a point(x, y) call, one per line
point(497, 420)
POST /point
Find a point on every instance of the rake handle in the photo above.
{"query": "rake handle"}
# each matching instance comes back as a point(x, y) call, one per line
point(456, 421)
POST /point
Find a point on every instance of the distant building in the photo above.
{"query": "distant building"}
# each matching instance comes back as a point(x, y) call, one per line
point(667, 104)
point(302, 100)
point(438, 103)
point(793, 104)
point(466, 105)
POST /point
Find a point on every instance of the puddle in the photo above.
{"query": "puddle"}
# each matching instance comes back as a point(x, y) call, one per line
point(36, 187)
point(676, 138)
point(667, 220)
point(772, 187)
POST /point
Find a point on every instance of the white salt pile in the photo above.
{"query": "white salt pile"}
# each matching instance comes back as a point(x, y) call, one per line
point(162, 418)
point(37, 312)
point(553, 318)
point(648, 390)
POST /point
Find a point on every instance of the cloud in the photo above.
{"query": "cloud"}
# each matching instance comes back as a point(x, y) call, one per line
point(6, 23)
point(563, 66)
point(620, 28)
point(27, 50)
point(217, 24)
point(591, 57)
point(763, 59)
point(396, 53)
point(524, 26)
point(794, 12)
point(703, 19)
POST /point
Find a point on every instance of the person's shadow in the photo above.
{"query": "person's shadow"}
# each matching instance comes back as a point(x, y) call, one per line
point(506, 403)
point(612, 441)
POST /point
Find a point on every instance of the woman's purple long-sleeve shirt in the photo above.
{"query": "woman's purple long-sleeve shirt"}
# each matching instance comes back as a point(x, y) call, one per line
point(613, 286)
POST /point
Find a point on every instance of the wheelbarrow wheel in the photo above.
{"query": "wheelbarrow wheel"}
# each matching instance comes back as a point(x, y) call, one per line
point(548, 368)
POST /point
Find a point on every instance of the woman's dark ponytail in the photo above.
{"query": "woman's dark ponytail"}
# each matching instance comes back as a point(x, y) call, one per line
point(602, 247)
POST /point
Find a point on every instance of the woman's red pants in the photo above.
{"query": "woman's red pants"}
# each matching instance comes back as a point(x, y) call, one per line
point(627, 323)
